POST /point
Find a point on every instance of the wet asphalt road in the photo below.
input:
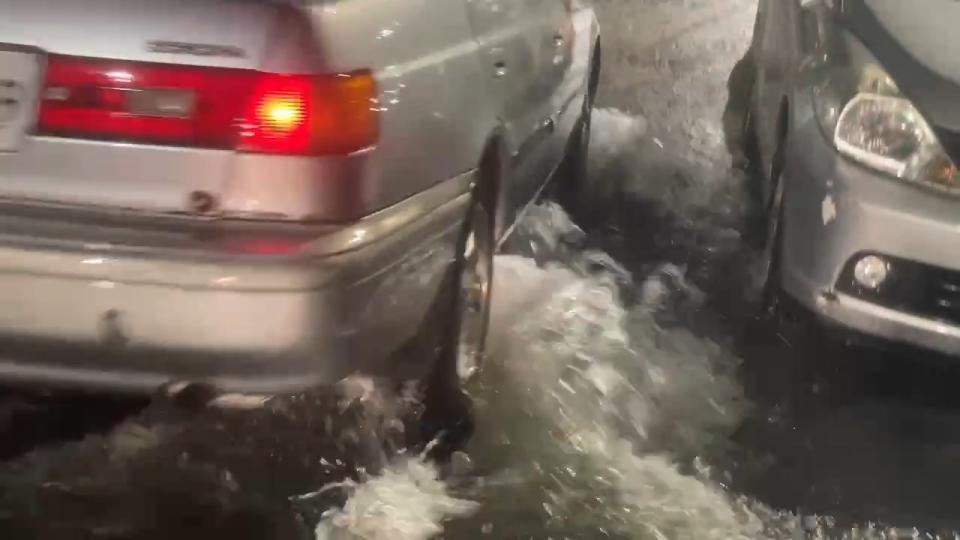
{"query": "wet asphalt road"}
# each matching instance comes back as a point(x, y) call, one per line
point(876, 441)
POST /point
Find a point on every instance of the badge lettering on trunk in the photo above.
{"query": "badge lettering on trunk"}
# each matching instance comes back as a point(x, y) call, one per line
point(195, 49)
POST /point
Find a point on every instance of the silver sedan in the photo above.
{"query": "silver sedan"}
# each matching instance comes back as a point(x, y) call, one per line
point(857, 133)
point(267, 195)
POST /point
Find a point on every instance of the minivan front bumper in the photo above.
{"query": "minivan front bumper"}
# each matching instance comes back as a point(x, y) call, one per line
point(835, 211)
point(119, 308)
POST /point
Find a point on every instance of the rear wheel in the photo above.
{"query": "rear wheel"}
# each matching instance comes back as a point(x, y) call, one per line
point(474, 292)
point(458, 327)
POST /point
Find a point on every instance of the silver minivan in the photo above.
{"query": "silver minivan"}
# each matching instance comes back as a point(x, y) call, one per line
point(264, 195)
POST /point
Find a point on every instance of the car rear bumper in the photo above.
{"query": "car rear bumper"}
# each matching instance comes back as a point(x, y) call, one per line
point(835, 212)
point(143, 311)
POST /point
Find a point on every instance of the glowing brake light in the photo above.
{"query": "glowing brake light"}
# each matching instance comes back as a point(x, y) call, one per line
point(278, 115)
point(282, 114)
point(209, 107)
point(329, 114)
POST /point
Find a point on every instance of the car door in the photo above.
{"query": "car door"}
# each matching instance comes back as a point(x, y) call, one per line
point(518, 48)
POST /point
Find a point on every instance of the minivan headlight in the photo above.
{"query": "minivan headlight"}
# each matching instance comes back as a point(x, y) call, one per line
point(869, 121)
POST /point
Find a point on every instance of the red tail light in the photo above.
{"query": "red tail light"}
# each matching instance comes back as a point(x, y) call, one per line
point(208, 107)
point(277, 116)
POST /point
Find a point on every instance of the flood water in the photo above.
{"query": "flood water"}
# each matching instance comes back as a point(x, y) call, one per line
point(620, 399)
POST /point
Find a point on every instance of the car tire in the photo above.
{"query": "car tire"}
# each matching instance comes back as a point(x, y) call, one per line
point(475, 290)
point(458, 325)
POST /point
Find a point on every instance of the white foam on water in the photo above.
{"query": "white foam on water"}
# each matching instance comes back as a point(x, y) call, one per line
point(408, 501)
point(594, 401)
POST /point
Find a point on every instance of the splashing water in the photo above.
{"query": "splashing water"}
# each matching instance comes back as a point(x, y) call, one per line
point(407, 502)
point(597, 407)
point(587, 413)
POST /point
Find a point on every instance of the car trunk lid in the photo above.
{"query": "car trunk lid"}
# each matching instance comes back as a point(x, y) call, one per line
point(205, 33)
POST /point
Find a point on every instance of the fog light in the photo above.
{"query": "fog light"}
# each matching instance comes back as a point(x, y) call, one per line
point(871, 271)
